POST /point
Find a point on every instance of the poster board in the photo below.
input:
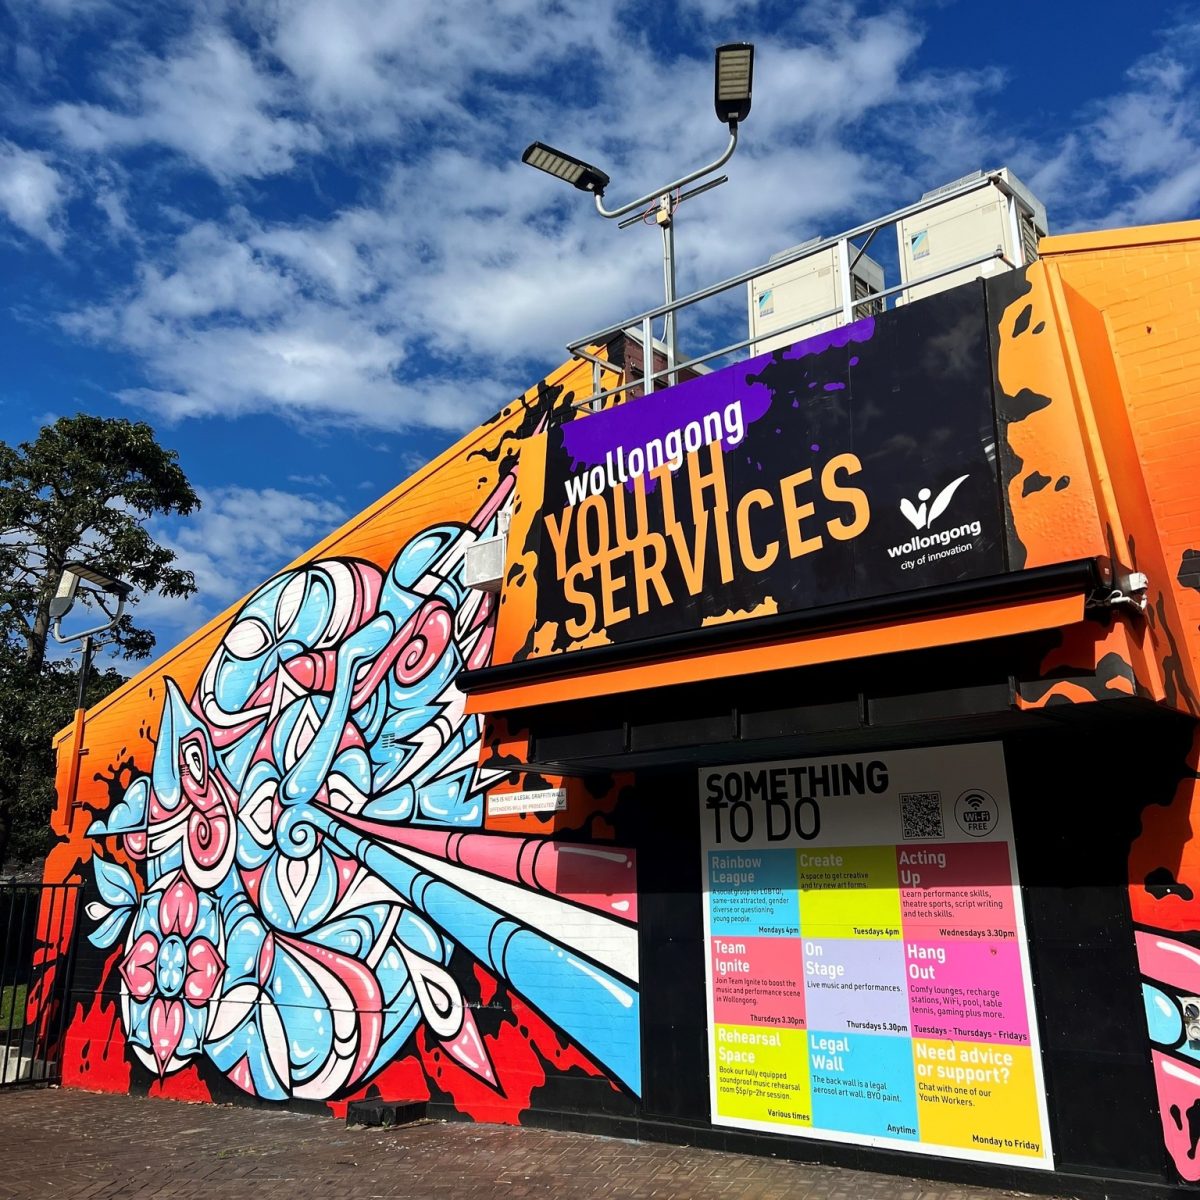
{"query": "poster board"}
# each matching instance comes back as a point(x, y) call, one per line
point(867, 969)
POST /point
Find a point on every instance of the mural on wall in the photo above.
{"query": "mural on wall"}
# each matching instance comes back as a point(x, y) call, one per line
point(1164, 867)
point(1164, 893)
point(295, 891)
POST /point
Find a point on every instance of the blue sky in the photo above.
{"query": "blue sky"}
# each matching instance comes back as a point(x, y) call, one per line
point(296, 237)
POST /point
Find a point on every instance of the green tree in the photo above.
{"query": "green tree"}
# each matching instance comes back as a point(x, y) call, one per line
point(84, 489)
point(36, 707)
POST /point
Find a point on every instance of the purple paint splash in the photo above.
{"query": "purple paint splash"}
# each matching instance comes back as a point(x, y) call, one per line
point(857, 331)
point(589, 440)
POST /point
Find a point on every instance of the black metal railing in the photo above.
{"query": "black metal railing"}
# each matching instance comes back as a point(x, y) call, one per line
point(38, 922)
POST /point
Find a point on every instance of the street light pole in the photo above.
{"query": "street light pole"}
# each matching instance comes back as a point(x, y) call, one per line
point(77, 750)
point(733, 79)
point(666, 220)
point(75, 573)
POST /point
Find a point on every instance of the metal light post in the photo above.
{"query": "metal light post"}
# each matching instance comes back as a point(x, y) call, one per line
point(75, 573)
point(733, 80)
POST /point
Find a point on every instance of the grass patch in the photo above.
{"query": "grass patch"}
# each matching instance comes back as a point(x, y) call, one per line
point(12, 1006)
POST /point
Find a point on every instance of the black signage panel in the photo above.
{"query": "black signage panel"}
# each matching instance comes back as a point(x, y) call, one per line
point(855, 464)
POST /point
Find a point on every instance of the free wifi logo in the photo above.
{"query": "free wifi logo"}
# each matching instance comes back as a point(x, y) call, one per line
point(976, 812)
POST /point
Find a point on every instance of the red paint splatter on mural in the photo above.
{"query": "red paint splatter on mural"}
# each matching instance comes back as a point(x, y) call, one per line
point(93, 1054)
point(522, 1049)
point(182, 1085)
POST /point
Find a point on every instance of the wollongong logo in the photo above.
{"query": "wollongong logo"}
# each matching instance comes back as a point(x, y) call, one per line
point(923, 519)
point(922, 516)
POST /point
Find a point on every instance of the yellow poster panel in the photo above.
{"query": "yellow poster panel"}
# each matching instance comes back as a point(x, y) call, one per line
point(762, 1075)
point(977, 1096)
point(849, 892)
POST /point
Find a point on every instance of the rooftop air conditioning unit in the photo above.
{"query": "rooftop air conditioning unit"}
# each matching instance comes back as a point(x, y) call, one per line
point(966, 227)
point(809, 287)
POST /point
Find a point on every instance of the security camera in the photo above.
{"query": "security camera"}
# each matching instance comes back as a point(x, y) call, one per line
point(1191, 1019)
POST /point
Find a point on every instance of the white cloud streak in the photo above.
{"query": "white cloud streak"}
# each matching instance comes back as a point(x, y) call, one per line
point(207, 101)
point(33, 194)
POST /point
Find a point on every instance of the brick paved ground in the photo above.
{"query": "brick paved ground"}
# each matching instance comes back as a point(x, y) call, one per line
point(69, 1145)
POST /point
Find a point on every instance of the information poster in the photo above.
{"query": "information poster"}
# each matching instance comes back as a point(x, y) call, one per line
point(868, 976)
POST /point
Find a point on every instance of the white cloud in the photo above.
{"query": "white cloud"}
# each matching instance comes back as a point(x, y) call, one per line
point(391, 65)
point(317, 366)
point(207, 100)
point(213, 272)
point(1133, 158)
point(33, 194)
point(424, 298)
point(238, 538)
point(855, 67)
point(331, 257)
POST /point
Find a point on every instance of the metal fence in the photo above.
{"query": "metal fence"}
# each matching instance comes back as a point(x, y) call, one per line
point(36, 958)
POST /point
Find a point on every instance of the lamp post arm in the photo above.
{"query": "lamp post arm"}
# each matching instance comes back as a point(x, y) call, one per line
point(56, 628)
point(670, 187)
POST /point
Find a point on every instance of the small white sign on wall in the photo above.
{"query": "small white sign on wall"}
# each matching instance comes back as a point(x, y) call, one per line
point(541, 801)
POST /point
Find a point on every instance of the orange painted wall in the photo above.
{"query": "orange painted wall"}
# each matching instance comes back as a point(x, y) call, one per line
point(1131, 299)
point(1130, 302)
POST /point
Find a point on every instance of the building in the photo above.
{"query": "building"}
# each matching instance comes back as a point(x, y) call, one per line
point(819, 780)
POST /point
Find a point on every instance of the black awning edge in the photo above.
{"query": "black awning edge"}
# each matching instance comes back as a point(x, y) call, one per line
point(1079, 576)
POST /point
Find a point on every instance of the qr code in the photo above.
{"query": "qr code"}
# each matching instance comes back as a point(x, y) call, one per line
point(921, 815)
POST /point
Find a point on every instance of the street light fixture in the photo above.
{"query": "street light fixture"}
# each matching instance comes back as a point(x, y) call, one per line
point(733, 77)
point(103, 589)
point(75, 573)
point(574, 170)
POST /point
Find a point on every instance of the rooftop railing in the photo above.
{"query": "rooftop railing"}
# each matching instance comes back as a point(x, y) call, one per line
point(641, 325)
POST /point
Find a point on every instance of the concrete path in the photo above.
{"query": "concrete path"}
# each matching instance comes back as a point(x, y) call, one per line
point(70, 1145)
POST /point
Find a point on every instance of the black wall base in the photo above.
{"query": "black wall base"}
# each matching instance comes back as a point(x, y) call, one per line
point(855, 1158)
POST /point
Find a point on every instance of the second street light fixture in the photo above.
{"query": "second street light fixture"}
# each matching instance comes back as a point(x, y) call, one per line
point(733, 79)
point(573, 170)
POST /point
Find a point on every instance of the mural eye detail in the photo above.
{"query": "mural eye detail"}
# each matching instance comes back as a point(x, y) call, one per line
point(193, 760)
point(248, 638)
